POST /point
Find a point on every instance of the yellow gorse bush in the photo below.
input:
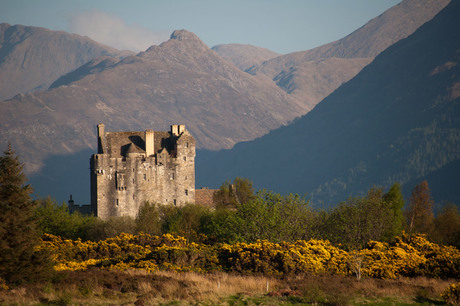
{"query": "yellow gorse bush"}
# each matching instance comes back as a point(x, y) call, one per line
point(407, 256)
point(452, 294)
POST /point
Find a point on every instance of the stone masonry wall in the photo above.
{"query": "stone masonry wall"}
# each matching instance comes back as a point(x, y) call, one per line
point(121, 184)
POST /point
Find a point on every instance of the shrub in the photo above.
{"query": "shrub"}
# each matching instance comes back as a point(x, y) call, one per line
point(452, 294)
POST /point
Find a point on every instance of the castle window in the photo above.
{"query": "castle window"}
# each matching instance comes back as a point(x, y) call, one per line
point(186, 144)
point(185, 158)
point(117, 202)
point(145, 177)
point(186, 192)
point(175, 202)
point(120, 180)
point(171, 176)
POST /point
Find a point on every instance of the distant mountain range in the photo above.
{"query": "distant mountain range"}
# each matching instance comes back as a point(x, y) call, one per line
point(60, 85)
point(180, 81)
point(313, 74)
point(398, 120)
point(31, 58)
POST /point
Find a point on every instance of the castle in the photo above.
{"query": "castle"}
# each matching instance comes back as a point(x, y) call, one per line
point(131, 168)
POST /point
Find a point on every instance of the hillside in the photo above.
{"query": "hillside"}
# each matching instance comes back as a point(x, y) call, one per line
point(31, 58)
point(325, 72)
point(397, 120)
point(180, 81)
point(244, 56)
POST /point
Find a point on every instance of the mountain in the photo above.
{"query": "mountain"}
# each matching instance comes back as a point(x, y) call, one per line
point(31, 58)
point(244, 56)
point(397, 120)
point(328, 66)
point(180, 81)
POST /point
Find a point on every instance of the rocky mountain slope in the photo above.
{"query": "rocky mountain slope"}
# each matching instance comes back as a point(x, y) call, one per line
point(180, 81)
point(314, 74)
point(397, 120)
point(244, 56)
point(31, 58)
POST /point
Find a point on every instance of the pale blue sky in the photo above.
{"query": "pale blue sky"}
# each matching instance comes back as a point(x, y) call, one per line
point(281, 26)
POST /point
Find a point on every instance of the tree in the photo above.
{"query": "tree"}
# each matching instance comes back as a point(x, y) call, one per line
point(419, 215)
point(183, 220)
point(447, 226)
point(20, 259)
point(234, 194)
point(57, 220)
point(358, 220)
point(112, 227)
point(148, 219)
point(395, 200)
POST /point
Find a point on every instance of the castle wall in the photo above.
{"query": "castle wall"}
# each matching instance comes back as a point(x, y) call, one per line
point(122, 181)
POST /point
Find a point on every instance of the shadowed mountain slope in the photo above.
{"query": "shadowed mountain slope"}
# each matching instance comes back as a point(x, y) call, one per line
point(313, 74)
point(397, 120)
point(31, 58)
point(180, 81)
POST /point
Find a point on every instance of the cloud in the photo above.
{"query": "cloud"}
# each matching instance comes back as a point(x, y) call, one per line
point(113, 31)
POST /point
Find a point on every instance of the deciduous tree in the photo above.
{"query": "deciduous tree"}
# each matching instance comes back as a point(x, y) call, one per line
point(395, 200)
point(230, 195)
point(419, 214)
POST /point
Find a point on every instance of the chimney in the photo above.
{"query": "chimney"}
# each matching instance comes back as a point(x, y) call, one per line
point(149, 143)
point(175, 130)
point(100, 138)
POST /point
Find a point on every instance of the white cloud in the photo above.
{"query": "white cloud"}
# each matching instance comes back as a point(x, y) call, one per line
point(113, 31)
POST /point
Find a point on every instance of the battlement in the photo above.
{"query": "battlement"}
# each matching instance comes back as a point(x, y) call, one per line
point(133, 167)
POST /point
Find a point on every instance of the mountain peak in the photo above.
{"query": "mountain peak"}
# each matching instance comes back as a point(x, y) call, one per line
point(180, 39)
point(183, 35)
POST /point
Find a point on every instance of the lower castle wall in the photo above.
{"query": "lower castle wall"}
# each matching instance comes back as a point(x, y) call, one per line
point(120, 187)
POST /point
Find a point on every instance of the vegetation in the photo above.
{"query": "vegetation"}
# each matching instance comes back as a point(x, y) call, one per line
point(101, 287)
point(263, 236)
point(419, 215)
point(20, 261)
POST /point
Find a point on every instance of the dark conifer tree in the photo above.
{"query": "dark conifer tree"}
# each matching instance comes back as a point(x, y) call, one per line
point(20, 260)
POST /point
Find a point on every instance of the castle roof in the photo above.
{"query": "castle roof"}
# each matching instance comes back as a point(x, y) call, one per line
point(119, 144)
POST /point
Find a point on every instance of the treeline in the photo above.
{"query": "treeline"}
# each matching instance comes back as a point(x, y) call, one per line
point(241, 215)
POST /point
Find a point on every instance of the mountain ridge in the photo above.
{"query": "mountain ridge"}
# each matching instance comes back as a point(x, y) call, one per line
point(179, 81)
point(31, 58)
point(356, 50)
point(397, 120)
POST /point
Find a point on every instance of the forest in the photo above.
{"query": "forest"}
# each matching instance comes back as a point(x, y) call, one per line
point(251, 234)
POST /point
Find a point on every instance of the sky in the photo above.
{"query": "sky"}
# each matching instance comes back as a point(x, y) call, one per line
point(282, 26)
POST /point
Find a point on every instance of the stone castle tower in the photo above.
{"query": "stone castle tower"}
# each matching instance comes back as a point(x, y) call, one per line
point(133, 167)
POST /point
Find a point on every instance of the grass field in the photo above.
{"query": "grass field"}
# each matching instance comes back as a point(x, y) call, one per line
point(101, 287)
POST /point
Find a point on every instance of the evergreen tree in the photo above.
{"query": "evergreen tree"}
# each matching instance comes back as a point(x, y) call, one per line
point(20, 261)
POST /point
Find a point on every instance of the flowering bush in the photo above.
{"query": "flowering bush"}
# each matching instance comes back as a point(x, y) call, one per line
point(452, 294)
point(407, 256)
point(271, 258)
